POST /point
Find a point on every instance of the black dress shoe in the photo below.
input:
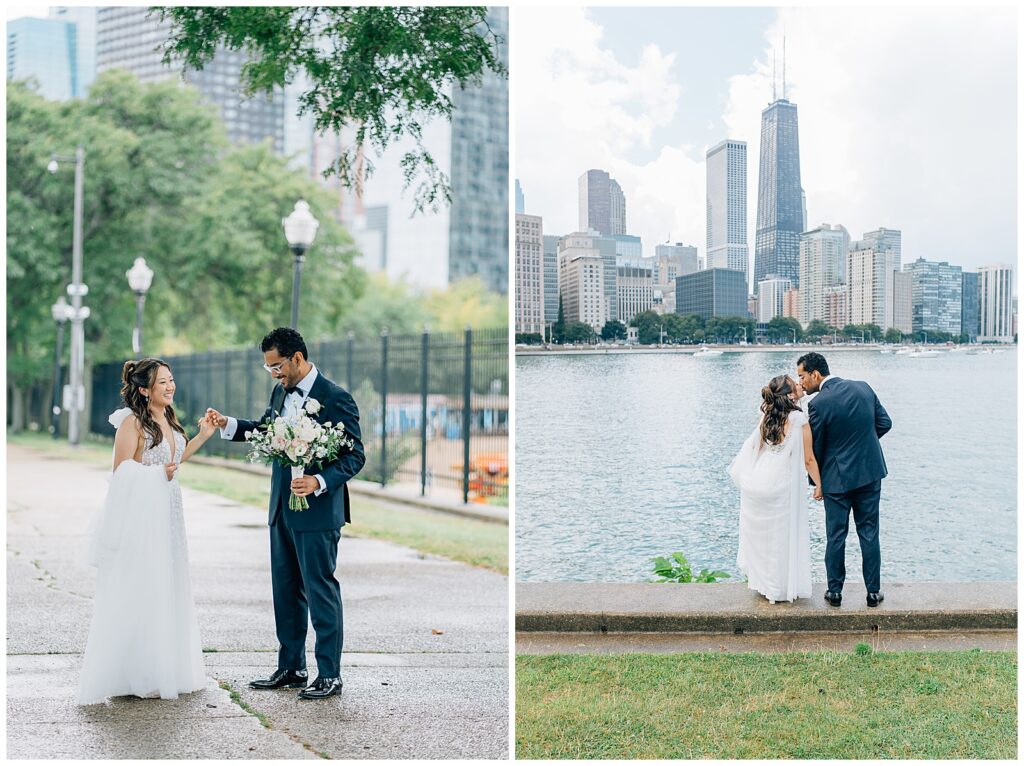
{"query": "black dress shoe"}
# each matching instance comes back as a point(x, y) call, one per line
point(293, 679)
point(835, 598)
point(874, 599)
point(321, 688)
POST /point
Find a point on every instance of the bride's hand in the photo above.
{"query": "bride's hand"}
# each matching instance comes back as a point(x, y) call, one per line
point(207, 426)
point(170, 469)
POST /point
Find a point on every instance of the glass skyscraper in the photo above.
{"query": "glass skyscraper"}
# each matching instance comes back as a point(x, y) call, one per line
point(936, 296)
point(130, 38)
point(602, 204)
point(726, 165)
point(54, 52)
point(970, 318)
point(478, 229)
point(780, 210)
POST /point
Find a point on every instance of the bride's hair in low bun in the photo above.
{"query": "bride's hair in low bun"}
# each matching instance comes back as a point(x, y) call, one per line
point(776, 406)
point(136, 375)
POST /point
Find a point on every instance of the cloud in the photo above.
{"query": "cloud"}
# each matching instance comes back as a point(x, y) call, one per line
point(908, 119)
point(577, 107)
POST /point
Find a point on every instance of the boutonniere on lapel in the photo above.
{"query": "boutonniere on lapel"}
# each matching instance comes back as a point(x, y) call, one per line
point(300, 442)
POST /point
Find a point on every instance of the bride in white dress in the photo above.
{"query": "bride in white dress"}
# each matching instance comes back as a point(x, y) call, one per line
point(771, 471)
point(144, 638)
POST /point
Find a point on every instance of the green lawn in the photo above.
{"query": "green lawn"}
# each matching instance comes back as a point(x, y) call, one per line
point(903, 705)
point(480, 543)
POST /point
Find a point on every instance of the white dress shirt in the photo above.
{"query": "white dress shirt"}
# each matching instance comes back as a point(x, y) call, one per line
point(292, 401)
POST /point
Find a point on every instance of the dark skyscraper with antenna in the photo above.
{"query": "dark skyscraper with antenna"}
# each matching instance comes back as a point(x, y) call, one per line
point(780, 210)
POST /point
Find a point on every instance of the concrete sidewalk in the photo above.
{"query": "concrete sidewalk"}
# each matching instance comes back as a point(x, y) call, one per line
point(426, 640)
point(735, 609)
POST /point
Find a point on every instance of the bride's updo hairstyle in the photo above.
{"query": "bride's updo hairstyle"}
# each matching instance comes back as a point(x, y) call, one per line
point(776, 406)
point(135, 376)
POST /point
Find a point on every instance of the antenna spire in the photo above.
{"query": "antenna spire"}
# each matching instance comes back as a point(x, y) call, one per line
point(783, 66)
point(773, 75)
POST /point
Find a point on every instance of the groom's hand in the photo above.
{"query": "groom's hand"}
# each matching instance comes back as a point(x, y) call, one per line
point(305, 485)
point(817, 493)
point(218, 420)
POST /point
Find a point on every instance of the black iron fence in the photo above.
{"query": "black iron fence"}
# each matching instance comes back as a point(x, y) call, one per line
point(433, 407)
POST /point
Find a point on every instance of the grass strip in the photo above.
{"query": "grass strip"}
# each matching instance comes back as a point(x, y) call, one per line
point(866, 705)
point(478, 543)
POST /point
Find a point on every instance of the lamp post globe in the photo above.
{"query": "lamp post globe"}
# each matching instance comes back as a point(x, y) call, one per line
point(140, 277)
point(300, 229)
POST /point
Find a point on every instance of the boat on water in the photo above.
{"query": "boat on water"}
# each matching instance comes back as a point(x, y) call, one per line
point(705, 351)
point(885, 351)
point(903, 351)
point(923, 354)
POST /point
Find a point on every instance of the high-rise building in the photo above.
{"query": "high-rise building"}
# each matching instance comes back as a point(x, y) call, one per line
point(57, 53)
point(682, 258)
point(635, 288)
point(712, 293)
point(822, 266)
point(995, 290)
point(791, 304)
point(936, 296)
point(835, 306)
point(970, 318)
point(780, 207)
point(602, 205)
point(529, 296)
point(370, 231)
point(479, 156)
point(628, 246)
point(870, 265)
point(129, 37)
point(520, 198)
point(581, 269)
point(726, 165)
point(771, 297)
point(902, 302)
point(550, 244)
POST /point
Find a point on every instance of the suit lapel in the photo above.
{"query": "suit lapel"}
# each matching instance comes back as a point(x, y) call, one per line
point(277, 400)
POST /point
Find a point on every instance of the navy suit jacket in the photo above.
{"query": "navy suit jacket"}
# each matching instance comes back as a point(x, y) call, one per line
point(331, 509)
point(847, 421)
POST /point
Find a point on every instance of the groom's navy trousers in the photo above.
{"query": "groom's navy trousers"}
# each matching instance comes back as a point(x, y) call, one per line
point(863, 501)
point(304, 544)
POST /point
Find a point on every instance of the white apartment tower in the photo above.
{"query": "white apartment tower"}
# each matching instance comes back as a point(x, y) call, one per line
point(995, 286)
point(823, 254)
point(726, 164)
point(529, 304)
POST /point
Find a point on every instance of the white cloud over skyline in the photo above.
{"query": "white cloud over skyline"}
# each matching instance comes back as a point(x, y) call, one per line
point(908, 119)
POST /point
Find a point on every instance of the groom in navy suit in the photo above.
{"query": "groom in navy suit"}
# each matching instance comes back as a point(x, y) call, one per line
point(847, 420)
point(304, 544)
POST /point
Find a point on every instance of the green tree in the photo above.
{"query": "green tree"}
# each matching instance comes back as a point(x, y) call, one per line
point(649, 325)
point(466, 302)
point(892, 335)
point(613, 330)
point(381, 71)
point(579, 332)
point(682, 329)
point(816, 328)
point(558, 329)
point(780, 329)
point(729, 329)
point(529, 338)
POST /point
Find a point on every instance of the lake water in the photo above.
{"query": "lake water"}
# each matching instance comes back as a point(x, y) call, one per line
point(623, 457)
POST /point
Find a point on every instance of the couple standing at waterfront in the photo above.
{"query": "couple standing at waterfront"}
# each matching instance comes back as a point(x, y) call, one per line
point(835, 443)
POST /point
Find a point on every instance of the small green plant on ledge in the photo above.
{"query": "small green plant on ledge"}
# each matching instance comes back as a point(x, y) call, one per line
point(677, 568)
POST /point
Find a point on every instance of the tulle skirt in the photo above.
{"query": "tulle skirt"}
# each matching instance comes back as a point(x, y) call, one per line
point(144, 636)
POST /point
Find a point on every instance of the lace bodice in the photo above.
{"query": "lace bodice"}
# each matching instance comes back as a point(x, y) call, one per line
point(161, 453)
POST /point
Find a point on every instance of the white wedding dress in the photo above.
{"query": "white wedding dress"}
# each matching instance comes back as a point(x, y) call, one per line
point(775, 540)
point(144, 637)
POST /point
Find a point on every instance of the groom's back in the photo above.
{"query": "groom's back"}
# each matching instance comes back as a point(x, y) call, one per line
point(844, 419)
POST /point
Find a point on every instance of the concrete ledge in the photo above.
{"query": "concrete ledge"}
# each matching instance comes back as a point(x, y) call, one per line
point(479, 512)
point(734, 608)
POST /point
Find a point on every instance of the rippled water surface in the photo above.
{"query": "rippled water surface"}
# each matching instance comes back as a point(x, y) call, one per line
point(621, 458)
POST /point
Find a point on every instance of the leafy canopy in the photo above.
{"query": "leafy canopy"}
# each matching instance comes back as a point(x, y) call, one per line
point(383, 71)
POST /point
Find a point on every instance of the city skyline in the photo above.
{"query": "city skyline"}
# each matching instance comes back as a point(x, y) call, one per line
point(868, 133)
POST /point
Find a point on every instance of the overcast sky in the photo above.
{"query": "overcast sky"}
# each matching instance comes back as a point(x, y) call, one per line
point(907, 117)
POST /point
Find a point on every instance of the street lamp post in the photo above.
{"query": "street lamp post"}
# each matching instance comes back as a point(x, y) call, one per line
point(300, 231)
point(794, 336)
point(75, 401)
point(61, 313)
point(140, 277)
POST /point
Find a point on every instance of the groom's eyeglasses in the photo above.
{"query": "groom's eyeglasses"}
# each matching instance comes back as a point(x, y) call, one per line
point(273, 369)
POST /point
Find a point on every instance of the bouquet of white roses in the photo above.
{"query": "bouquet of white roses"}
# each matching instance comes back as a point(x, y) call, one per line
point(298, 441)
